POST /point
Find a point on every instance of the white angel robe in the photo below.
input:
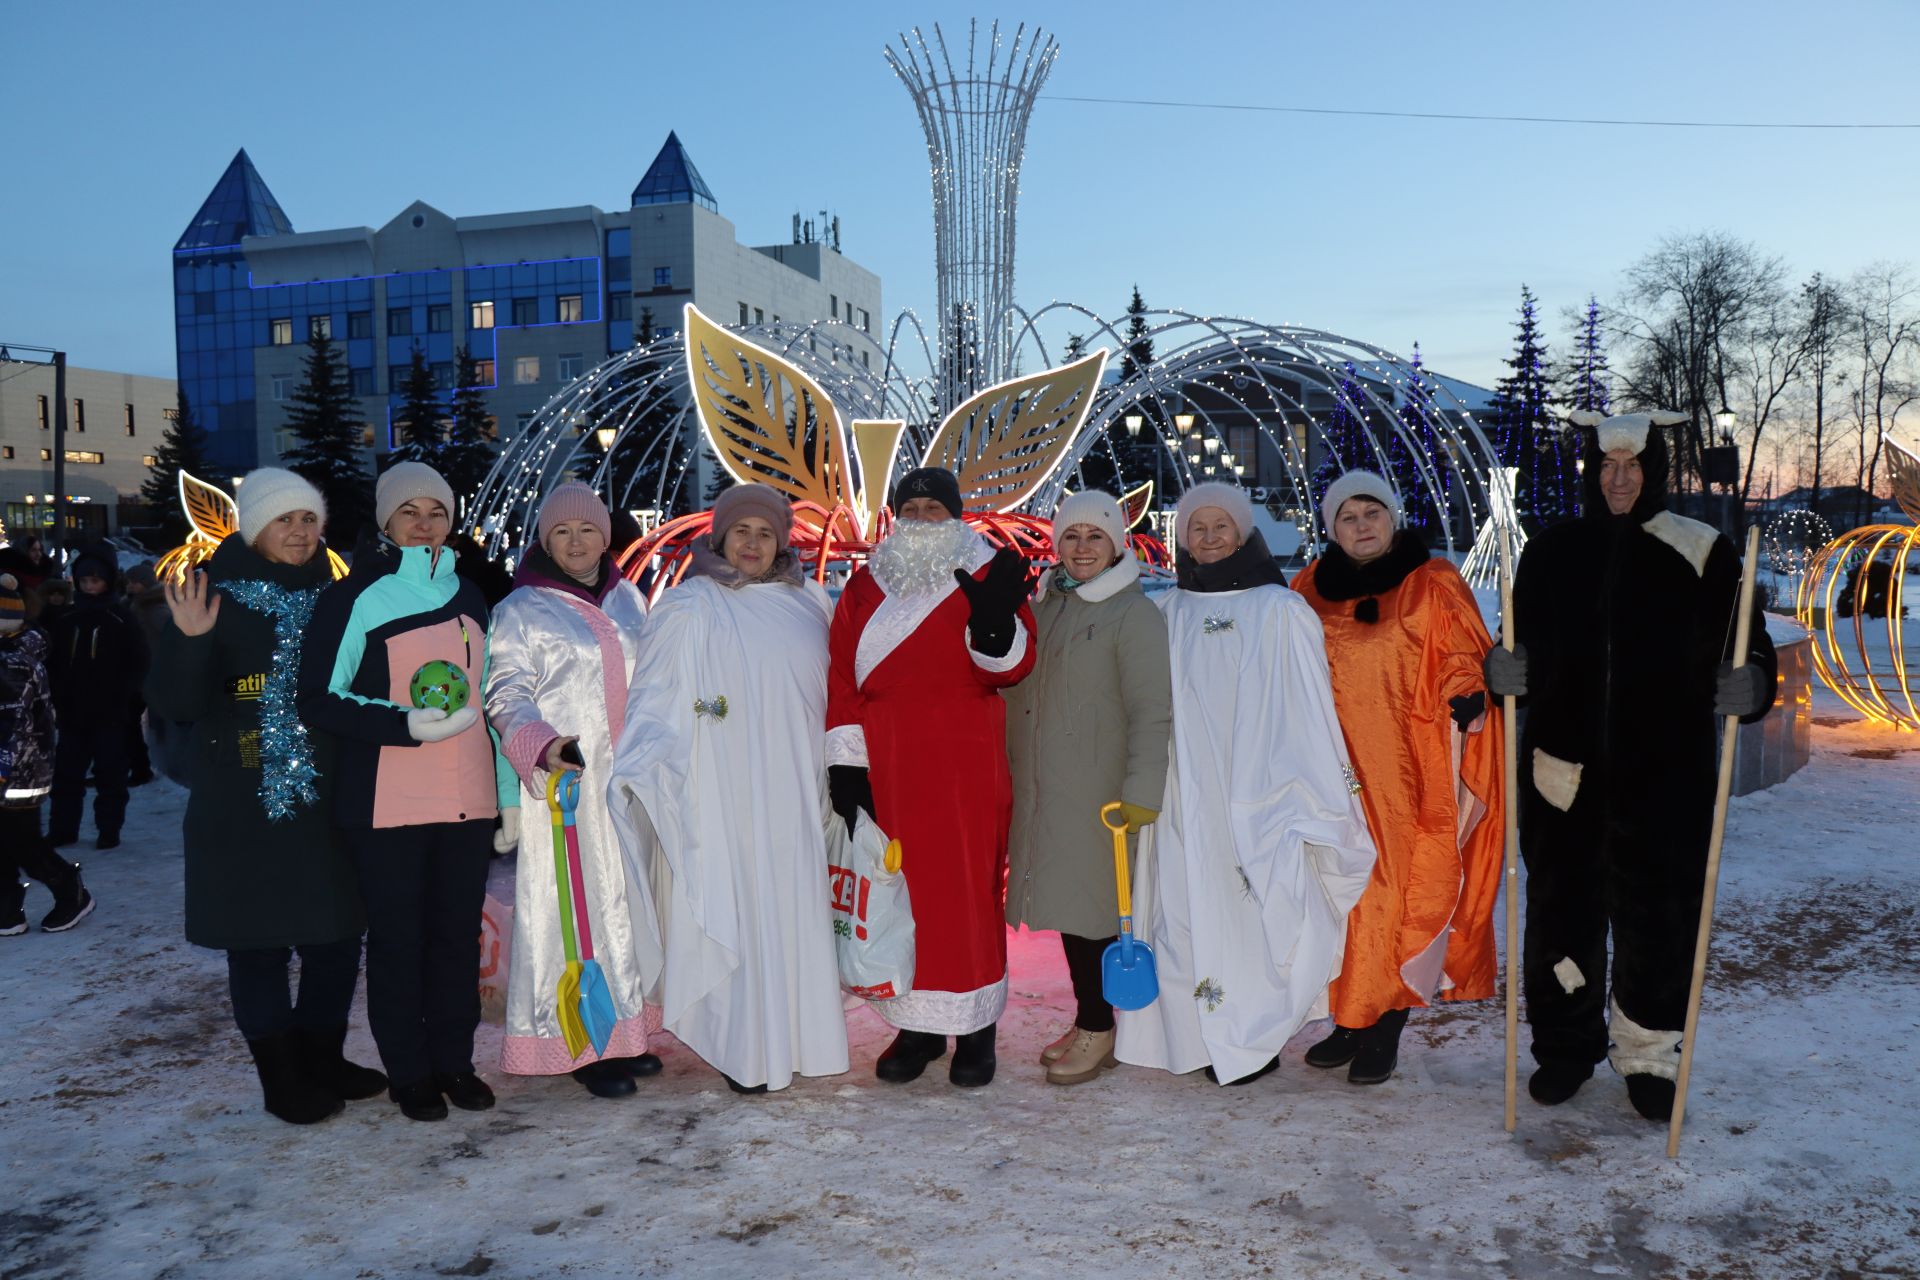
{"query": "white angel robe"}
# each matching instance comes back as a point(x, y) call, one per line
point(1246, 879)
point(560, 666)
point(717, 793)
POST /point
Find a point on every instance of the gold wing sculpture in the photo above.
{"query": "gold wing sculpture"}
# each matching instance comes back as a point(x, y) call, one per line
point(1003, 443)
point(212, 515)
point(1136, 504)
point(1904, 468)
point(768, 421)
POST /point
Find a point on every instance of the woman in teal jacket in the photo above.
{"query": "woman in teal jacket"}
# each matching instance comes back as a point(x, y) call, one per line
point(417, 789)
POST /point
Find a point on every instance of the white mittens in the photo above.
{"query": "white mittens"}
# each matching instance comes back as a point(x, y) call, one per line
point(431, 724)
point(508, 836)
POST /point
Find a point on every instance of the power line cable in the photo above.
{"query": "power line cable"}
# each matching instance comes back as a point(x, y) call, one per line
point(1467, 116)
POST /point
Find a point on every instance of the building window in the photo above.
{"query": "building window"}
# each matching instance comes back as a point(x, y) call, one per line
point(526, 370)
point(399, 321)
point(442, 371)
point(868, 364)
point(280, 331)
point(526, 311)
point(743, 313)
point(759, 316)
point(320, 327)
point(570, 311)
point(866, 321)
point(46, 419)
point(46, 455)
point(480, 315)
point(79, 415)
point(359, 324)
point(362, 380)
point(146, 460)
point(571, 366)
point(85, 455)
point(129, 419)
point(620, 306)
point(483, 373)
point(6, 452)
point(283, 383)
point(521, 423)
point(663, 277)
point(834, 304)
point(440, 318)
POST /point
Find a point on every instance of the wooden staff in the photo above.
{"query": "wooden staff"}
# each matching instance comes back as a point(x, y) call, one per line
point(1512, 878)
point(1742, 626)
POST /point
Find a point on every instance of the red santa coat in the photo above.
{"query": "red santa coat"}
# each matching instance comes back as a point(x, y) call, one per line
point(908, 698)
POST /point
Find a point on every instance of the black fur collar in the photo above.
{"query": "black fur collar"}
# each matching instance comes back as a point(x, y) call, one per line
point(1337, 577)
point(1250, 566)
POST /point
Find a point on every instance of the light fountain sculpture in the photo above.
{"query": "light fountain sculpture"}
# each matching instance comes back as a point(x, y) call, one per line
point(1857, 584)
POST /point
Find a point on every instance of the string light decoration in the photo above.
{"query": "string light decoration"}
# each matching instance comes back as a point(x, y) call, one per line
point(1856, 584)
point(1793, 539)
point(1226, 397)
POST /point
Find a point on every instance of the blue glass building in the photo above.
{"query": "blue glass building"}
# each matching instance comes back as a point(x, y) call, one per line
point(537, 298)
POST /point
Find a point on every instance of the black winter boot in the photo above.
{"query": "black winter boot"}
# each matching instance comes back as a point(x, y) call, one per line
point(464, 1090)
point(1336, 1050)
point(605, 1079)
point(71, 904)
point(1652, 1096)
point(646, 1064)
point(328, 1065)
point(973, 1058)
point(1379, 1049)
point(1555, 1082)
point(419, 1100)
point(1248, 1078)
point(908, 1056)
point(13, 916)
point(291, 1094)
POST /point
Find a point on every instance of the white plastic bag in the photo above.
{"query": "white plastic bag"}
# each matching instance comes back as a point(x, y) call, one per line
point(872, 915)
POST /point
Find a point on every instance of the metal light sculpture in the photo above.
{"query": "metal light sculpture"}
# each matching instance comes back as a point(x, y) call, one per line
point(975, 120)
point(211, 516)
point(1793, 539)
point(1857, 578)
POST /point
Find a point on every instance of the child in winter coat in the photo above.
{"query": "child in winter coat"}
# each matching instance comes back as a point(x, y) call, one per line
point(98, 660)
point(26, 775)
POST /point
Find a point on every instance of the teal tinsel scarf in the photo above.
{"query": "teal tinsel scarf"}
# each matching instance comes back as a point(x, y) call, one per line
point(287, 771)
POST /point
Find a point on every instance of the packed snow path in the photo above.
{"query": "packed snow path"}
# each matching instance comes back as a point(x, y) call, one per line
point(134, 1143)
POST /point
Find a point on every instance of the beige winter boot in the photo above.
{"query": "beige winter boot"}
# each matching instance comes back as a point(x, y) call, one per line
point(1090, 1053)
point(1051, 1054)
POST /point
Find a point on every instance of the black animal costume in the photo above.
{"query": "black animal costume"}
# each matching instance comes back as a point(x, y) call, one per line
point(1624, 620)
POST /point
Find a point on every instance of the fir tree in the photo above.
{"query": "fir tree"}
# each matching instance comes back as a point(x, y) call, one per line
point(1548, 488)
point(325, 418)
point(419, 426)
point(1586, 373)
point(183, 447)
point(1139, 352)
point(466, 457)
point(1346, 435)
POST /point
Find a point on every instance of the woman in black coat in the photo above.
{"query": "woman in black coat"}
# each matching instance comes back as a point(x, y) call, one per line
point(265, 875)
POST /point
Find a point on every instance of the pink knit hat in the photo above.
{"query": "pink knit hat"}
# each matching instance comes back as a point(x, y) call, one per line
point(575, 501)
point(762, 500)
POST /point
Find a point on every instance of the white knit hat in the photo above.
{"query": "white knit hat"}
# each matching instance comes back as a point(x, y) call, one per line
point(1094, 508)
point(1360, 483)
point(269, 493)
point(1230, 498)
point(405, 481)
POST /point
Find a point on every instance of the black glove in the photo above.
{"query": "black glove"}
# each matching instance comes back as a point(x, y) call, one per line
point(995, 599)
point(1467, 708)
point(848, 791)
point(1506, 673)
point(1740, 691)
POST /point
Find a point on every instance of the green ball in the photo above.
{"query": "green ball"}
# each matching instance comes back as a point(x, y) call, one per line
point(441, 686)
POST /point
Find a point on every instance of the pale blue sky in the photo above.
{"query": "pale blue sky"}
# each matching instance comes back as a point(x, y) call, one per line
point(120, 117)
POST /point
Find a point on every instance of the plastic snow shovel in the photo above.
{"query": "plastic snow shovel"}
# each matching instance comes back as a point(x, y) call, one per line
point(584, 1004)
point(1127, 978)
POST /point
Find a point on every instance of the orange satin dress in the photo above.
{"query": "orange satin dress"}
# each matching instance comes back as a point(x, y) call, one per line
point(1433, 796)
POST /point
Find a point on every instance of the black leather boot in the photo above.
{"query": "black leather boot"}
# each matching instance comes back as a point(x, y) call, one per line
point(973, 1058)
point(1379, 1049)
point(327, 1064)
point(908, 1056)
point(1336, 1050)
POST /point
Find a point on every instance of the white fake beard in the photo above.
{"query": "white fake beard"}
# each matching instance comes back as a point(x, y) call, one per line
point(918, 556)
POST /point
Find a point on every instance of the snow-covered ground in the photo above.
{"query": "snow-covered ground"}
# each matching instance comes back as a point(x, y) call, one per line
point(132, 1142)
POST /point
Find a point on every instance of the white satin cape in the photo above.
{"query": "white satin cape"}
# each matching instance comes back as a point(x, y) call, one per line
point(1245, 881)
point(720, 817)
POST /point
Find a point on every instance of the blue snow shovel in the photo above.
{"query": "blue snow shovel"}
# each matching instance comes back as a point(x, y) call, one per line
point(1127, 978)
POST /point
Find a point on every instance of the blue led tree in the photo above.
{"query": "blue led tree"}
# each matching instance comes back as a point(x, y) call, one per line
point(1586, 372)
point(1346, 435)
point(1548, 490)
point(1415, 441)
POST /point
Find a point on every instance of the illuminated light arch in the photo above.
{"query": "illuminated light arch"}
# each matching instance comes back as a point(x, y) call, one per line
point(1880, 688)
